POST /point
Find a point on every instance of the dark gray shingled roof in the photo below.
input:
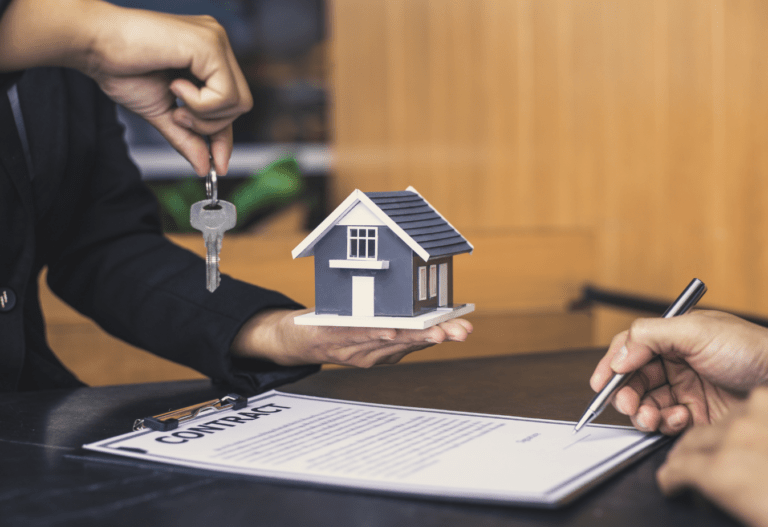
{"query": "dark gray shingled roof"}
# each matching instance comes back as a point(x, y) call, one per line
point(421, 222)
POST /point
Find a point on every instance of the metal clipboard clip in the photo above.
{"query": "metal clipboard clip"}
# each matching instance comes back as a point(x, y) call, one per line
point(170, 420)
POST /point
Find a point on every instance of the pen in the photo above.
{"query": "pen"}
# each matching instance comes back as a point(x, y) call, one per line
point(684, 302)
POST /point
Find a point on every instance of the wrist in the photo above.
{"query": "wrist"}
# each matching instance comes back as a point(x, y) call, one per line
point(261, 337)
point(101, 36)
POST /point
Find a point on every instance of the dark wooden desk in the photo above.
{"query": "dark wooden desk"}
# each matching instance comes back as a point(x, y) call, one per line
point(48, 480)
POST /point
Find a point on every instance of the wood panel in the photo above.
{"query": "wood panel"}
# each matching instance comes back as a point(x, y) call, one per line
point(643, 122)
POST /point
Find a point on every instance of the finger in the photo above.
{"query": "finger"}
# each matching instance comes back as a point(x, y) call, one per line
point(221, 139)
point(203, 126)
point(368, 338)
point(225, 91)
point(337, 336)
point(649, 337)
point(744, 432)
point(188, 143)
point(432, 335)
point(682, 470)
point(647, 418)
point(212, 86)
point(455, 331)
point(467, 325)
point(366, 356)
point(687, 389)
point(221, 149)
point(393, 354)
point(648, 378)
point(661, 397)
point(603, 371)
point(732, 479)
point(342, 344)
point(674, 419)
point(700, 439)
point(359, 355)
point(659, 411)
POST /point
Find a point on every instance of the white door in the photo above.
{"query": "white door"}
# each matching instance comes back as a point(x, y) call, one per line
point(442, 299)
point(362, 296)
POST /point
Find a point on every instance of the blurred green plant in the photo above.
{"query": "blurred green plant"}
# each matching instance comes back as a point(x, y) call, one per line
point(269, 189)
point(274, 186)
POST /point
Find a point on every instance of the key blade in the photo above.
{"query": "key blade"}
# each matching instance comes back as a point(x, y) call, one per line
point(212, 275)
point(211, 266)
point(213, 221)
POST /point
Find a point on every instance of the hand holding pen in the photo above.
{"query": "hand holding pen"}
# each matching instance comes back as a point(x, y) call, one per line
point(689, 370)
point(687, 299)
point(704, 368)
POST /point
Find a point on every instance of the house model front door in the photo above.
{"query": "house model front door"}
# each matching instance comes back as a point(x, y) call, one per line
point(362, 296)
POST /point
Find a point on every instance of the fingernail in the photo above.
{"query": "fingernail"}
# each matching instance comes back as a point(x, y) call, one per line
point(619, 357)
point(386, 337)
point(674, 421)
point(186, 122)
point(641, 423)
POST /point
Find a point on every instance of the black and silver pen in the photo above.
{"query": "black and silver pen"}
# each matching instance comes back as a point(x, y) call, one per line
point(684, 302)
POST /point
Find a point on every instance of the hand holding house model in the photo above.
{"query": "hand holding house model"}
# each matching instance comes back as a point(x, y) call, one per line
point(384, 259)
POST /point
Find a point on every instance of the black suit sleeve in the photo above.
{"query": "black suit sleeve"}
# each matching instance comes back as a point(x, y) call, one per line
point(111, 261)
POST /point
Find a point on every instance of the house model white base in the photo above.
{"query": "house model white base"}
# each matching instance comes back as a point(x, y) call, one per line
point(418, 322)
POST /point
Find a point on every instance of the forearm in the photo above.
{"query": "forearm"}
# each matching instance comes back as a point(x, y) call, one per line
point(50, 33)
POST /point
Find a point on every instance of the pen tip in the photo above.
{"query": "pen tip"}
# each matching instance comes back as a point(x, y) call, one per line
point(586, 418)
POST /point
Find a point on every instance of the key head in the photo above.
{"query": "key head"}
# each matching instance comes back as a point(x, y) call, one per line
point(213, 219)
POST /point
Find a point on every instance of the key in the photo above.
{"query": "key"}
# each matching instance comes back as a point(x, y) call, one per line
point(213, 218)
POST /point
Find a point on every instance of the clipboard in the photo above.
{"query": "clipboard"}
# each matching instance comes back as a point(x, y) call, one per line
point(432, 453)
point(170, 420)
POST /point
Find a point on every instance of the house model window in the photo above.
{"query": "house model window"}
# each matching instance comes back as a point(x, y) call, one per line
point(422, 283)
point(361, 243)
point(432, 281)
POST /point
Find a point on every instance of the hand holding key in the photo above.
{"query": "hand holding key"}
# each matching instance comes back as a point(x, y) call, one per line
point(213, 217)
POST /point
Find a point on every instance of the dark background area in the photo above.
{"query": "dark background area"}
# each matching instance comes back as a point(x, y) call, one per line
point(281, 48)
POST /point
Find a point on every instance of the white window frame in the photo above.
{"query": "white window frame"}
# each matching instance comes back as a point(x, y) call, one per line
point(367, 238)
point(422, 282)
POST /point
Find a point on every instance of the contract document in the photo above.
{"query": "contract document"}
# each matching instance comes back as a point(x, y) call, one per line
point(415, 451)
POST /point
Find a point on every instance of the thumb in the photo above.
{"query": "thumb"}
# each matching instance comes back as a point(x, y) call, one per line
point(648, 338)
point(185, 141)
point(221, 149)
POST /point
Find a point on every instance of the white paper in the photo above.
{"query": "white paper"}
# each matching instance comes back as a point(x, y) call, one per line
point(444, 454)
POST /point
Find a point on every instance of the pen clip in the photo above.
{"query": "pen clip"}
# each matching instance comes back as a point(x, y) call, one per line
point(170, 420)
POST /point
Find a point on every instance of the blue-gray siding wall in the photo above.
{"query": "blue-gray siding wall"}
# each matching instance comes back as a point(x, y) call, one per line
point(393, 293)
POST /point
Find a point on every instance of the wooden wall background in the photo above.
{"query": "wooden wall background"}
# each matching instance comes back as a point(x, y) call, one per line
point(621, 142)
point(642, 122)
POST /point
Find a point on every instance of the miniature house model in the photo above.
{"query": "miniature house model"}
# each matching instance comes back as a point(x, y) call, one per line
point(384, 259)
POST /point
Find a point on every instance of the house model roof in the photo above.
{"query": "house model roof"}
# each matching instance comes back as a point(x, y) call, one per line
point(409, 216)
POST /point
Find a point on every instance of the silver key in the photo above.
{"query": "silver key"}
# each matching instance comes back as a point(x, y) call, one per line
point(213, 218)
